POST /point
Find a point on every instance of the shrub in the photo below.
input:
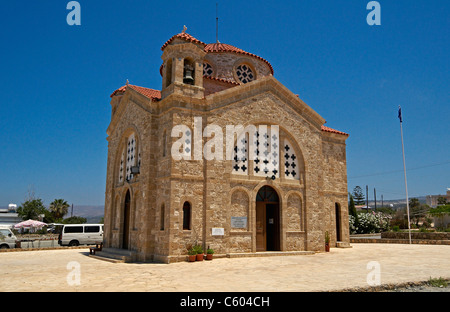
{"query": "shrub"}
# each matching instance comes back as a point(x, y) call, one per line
point(198, 249)
point(369, 222)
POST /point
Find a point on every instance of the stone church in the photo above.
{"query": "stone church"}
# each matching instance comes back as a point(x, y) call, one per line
point(163, 191)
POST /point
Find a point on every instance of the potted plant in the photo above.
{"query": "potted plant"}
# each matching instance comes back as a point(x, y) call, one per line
point(209, 253)
point(192, 254)
point(327, 241)
point(199, 250)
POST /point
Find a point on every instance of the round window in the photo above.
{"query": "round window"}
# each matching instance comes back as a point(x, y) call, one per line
point(245, 73)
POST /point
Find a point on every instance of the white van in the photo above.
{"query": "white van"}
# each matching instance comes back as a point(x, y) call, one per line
point(80, 234)
point(7, 238)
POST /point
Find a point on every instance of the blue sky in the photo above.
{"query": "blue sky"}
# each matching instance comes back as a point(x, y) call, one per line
point(56, 80)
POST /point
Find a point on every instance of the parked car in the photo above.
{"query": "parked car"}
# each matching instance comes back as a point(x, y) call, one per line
point(80, 234)
point(7, 238)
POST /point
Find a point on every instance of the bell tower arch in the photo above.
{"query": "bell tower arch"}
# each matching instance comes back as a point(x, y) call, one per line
point(182, 69)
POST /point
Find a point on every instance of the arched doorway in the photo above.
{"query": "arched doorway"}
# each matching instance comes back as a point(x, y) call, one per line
point(267, 220)
point(126, 221)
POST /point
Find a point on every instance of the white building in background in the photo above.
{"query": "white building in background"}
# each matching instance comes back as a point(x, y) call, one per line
point(9, 216)
point(432, 200)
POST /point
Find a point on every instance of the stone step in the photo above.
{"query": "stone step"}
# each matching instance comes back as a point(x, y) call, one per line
point(343, 245)
point(269, 254)
point(115, 255)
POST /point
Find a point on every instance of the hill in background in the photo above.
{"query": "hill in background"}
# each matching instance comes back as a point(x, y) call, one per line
point(93, 214)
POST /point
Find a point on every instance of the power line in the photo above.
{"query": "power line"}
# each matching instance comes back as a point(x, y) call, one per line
point(396, 171)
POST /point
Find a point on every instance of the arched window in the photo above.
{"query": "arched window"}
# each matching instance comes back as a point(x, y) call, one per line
point(267, 160)
point(161, 218)
point(168, 80)
point(130, 157)
point(245, 73)
point(186, 216)
point(164, 143)
point(268, 152)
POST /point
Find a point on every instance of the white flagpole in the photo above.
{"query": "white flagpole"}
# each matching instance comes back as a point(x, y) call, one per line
point(404, 169)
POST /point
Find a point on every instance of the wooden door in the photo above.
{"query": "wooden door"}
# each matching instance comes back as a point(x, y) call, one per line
point(260, 226)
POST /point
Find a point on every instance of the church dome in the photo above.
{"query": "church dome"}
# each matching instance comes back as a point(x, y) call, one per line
point(224, 48)
point(224, 62)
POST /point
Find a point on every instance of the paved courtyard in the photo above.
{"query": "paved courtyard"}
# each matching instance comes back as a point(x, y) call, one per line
point(74, 270)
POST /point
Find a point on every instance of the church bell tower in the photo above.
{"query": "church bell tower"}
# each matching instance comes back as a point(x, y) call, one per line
point(182, 71)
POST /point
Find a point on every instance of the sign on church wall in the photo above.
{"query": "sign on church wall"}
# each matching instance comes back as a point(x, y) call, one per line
point(239, 222)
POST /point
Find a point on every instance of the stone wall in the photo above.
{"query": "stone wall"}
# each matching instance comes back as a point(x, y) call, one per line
point(417, 235)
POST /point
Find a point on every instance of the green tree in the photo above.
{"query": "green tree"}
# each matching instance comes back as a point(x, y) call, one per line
point(418, 212)
point(31, 209)
point(352, 209)
point(59, 208)
point(358, 195)
point(442, 200)
point(414, 203)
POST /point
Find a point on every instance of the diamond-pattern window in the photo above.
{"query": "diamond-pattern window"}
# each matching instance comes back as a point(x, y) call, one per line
point(240, 155)
point(290, 162)
point(266, 161)
point(122, 161)
point(269, 152)
point(245, 73)
point(207, 70)
point(131, 156)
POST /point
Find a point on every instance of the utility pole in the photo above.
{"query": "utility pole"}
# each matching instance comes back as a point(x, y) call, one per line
point(404, 169)
point(375, 197)
point(382, 205)
point(367, 197)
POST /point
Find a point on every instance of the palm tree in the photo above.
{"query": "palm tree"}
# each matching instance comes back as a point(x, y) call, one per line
point(58, 208)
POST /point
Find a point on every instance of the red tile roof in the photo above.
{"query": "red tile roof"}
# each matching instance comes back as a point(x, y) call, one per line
point(214, 47)
point(327, 129)
point(152, 94)
point(184, 36)
point(223, 47)
point(222, 80)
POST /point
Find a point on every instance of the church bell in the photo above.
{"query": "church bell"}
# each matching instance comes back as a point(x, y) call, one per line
point(188, 79)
